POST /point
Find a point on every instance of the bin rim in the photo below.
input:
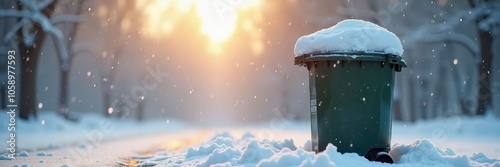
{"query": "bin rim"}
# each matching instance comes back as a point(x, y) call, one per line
point(350, 56)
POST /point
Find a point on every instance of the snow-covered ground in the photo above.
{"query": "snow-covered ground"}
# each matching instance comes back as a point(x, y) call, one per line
point(98, 141)
point(50, 130)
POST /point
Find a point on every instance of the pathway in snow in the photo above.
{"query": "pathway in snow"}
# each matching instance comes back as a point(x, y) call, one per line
point(106, 153)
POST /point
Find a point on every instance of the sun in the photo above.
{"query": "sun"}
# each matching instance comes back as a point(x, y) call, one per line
point(219, 17)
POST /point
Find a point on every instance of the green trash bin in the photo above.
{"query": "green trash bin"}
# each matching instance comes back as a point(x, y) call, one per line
point(350, 101)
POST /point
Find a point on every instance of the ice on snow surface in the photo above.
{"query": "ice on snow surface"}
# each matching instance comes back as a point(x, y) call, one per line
point(350, 36)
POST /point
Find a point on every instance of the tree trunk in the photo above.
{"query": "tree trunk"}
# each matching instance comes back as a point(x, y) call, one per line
point(3, 97)
point(29, 59)
point(28, 78)
point(106, 101)
point(140, 110)
point(484, 96)
point(63, 93)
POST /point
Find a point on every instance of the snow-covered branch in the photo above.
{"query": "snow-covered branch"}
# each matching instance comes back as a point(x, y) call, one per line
point(492, 22)
point(14, 29)
point(36, 6)
point(412, 41)
point(444, 32)
point(34, 14)
point(14, 13)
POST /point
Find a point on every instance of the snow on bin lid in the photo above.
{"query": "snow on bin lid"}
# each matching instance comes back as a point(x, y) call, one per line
point(350, 36)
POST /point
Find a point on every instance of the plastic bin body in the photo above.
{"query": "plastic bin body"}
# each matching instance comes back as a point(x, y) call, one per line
point(351, 100)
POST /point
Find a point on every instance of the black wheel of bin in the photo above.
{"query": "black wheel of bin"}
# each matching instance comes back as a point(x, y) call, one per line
point(384, 157)
point(380, 155)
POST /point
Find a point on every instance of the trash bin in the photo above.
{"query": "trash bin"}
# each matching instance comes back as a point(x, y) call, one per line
point(351, 100)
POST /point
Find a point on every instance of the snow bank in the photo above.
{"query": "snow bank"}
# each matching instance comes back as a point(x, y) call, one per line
point(254, 152)
point(350, 35)
point(248, 151)
point(220, 156)
point(419, 153)
point(204, 150)
point(423, 152)
point(329, 157)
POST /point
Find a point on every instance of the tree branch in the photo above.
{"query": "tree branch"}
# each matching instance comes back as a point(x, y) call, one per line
point(61, 48)
point(462, 39)
point(14, 13)
point(14, 29)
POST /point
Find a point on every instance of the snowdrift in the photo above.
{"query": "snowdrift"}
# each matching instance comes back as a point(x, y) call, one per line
point(225, 150)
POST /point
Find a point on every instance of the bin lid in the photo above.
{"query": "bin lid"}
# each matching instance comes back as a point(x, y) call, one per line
point(354, 56)
point(350, 39)
point(350, 36)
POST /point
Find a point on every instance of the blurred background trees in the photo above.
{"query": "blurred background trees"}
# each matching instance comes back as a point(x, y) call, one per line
point(27, 35)
point(231, 61)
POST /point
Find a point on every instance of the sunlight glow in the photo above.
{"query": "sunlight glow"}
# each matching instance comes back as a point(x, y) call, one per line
point(218, 17)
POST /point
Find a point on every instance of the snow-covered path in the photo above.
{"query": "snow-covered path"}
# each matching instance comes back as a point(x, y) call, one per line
point(105, 153)
point(471, 142)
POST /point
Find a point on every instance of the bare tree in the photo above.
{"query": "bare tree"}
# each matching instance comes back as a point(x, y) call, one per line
point(71, 18)
point(32, 26)
point(3, 79)
point(485, 15)
point(488, 22)
point(6, 24)
point(34, 22)
point(117, 26)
